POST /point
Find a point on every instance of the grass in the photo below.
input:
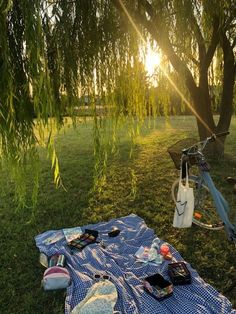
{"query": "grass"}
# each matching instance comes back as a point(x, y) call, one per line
point(209, 252)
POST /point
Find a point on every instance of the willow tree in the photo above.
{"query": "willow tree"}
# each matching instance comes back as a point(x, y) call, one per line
point(194, 35)
point(52, 50)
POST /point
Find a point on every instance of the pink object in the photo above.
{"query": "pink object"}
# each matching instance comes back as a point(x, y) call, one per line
point(164, 249)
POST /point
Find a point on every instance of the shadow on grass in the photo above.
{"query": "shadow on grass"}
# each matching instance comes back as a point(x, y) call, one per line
point(209, 252)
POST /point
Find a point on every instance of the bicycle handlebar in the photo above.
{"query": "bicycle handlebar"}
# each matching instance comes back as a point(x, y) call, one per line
point(214, 136)
point(203, 143)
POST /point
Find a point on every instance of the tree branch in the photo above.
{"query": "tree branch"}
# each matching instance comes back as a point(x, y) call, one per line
point(214, 41)
point(188, 55)
point(162, 40)
point(199, 37)
point(148, 7)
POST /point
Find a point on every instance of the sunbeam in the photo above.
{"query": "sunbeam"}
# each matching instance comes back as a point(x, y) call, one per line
point(165, 73)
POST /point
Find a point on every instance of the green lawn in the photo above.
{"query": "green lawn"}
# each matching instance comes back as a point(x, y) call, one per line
point(209, 252)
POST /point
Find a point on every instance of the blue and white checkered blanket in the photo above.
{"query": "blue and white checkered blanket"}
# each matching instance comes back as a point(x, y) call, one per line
point(118, 261)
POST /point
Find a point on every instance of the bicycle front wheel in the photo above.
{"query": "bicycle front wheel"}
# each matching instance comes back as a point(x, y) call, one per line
point(205, 214)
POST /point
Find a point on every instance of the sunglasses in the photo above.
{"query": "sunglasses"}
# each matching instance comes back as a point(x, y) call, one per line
point(104, 277)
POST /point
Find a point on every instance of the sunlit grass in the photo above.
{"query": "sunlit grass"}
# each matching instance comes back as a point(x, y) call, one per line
point(150, 198)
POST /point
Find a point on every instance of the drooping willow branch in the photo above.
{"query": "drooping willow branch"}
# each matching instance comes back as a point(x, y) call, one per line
point(55, 53)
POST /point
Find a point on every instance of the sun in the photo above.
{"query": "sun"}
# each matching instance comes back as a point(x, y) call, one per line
point(152, 61)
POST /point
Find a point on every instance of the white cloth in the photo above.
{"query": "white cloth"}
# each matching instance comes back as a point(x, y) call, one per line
point(100, 299)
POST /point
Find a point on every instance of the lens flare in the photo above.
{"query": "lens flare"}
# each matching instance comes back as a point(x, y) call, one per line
point(165, 73)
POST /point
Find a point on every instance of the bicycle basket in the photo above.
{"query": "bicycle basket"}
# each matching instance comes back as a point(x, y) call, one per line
point(175, 151)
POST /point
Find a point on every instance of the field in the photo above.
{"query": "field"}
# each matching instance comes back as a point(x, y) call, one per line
point(140, 184)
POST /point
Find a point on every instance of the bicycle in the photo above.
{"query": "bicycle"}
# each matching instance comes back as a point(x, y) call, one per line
point(210, 208)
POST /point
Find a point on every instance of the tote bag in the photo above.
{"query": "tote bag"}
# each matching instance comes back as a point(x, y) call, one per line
point(184, 205)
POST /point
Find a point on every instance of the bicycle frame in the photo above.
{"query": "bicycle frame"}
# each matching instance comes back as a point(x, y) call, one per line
point(221, 204)
point(204, 179)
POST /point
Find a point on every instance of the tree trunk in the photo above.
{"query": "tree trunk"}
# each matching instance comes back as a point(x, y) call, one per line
point(206, 125)
point(205, 122)
point(202, 105)
point(202, 102)
point(226, 106)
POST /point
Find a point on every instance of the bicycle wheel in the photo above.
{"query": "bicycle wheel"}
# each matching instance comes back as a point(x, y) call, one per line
point(205, 214)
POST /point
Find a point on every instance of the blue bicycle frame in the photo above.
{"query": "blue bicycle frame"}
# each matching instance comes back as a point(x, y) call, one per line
point(221, 204)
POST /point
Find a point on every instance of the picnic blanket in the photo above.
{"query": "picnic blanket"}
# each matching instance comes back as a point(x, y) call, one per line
point(118, 261)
